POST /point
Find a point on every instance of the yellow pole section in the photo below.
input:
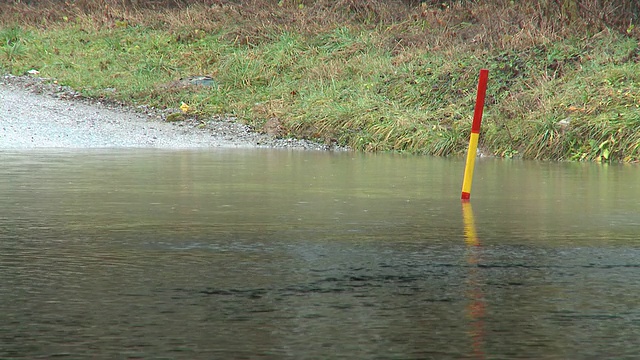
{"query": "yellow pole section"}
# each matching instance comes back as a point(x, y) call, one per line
point(470, 235)
point(468, 169)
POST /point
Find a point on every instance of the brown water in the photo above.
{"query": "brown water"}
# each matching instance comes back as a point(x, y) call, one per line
point(261, 254)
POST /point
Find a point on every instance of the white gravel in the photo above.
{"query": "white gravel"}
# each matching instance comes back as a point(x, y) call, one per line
point(37, 114)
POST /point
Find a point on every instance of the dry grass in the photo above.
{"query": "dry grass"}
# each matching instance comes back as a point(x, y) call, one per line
point(424, 24)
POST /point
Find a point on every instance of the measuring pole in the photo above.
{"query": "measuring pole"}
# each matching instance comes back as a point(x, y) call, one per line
point(475, 134)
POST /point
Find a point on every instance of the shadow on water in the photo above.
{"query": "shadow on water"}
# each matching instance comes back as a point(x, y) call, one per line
point(302, 255)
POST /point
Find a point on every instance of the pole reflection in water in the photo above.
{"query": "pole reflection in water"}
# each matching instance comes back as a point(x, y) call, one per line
point(476, 307)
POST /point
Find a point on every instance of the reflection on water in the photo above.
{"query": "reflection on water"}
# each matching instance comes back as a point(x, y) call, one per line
point(475, 296)
point(281, 254)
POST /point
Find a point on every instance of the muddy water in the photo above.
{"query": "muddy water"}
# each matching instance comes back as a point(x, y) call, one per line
point(262, 254)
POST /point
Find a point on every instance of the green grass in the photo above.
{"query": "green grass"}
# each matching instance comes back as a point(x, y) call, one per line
point(355, 83)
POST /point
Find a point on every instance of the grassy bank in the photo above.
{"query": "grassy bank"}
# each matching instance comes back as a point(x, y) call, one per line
point(374, 75)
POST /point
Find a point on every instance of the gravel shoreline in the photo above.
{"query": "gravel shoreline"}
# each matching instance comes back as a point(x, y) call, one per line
point(37, 113)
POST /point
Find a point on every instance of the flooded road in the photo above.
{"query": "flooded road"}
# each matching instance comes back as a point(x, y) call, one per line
point(267, 254)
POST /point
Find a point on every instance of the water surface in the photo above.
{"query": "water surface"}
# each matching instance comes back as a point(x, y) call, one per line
point(305, 255)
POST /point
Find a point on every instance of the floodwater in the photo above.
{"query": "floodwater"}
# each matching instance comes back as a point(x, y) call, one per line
point(265, 254)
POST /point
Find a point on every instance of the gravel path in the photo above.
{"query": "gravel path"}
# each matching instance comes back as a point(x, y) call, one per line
point(35, 113)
